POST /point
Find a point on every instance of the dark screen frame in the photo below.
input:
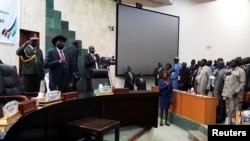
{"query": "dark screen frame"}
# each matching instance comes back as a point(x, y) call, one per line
point(146, 57)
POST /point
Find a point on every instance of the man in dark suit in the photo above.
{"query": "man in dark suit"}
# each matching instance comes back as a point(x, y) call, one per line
point(73, 52)
point(91, 62)
point(157, 71)
point(32, 69)
point(140, 82)
point(129, 79)
point(57, 61)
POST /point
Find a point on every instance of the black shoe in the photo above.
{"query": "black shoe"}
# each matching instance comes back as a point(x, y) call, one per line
point(161, 124)
point(167, 124)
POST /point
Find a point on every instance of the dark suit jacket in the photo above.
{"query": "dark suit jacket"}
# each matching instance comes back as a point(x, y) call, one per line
point(156, 73)
point(59, 75)
point(141, 85)
point(90, 64)
point(33, 66)
point(73, 57)
point(129, 83)
point(184, 77)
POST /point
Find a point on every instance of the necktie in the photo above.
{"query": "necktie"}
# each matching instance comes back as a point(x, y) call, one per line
point(96, 65)
point(141, 79)
point(130, 74)
point(62, 55)
point(158, 74)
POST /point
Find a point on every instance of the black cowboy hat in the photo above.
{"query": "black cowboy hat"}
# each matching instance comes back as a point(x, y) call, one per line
point(58, 37)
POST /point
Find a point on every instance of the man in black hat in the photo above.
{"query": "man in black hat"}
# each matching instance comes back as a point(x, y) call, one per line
point(57, 61)
point(32, 68)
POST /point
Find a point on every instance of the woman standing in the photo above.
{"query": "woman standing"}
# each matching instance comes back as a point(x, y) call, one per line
point(166, 98)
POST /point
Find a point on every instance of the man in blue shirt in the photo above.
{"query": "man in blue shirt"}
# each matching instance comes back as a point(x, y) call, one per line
point(175, 70)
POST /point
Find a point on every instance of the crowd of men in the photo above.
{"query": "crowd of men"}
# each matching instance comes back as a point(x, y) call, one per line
point(228, 81)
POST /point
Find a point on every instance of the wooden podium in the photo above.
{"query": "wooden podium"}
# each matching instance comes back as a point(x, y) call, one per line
point(199, 108)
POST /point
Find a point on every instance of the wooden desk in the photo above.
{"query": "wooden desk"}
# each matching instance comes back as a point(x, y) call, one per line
point(176, 104)
point(49, 123)
point(199, 108)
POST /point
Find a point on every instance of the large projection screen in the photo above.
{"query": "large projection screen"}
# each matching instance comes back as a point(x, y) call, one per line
point(144, 38)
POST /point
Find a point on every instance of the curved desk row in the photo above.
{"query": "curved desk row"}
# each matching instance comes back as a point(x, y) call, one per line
point(49, 123)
